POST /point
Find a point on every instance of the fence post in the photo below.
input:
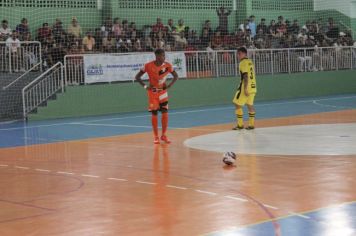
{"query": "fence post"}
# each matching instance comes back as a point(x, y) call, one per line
point(289, 70)
point(217, 63)
point(197, 61)
point(271, 61)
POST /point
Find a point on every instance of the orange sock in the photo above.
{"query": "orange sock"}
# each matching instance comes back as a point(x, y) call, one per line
point(154, 120)
point(164, 122)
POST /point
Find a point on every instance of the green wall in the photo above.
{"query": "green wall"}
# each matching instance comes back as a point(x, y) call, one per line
point(127, 97)
point(88, 18)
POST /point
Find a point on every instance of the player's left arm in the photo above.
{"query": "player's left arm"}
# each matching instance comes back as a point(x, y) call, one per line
point(245, 79)
point(175, 78)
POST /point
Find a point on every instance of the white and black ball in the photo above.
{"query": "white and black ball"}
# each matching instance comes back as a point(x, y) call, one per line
point(229, 158)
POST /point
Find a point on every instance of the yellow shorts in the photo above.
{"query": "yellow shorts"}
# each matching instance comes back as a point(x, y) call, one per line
point(241, 99)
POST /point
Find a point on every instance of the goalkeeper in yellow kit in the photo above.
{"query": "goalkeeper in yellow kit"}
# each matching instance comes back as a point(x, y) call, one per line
point(246, 92)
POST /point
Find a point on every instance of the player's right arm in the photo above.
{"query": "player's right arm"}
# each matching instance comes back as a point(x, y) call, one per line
point(138, 79)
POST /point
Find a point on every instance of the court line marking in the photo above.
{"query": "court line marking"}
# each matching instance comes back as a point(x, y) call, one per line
point(116, 179)
point(4, 165)
point(144, 182)
point(279, 218)
point(66, 173)
point(237, 198)
point(42, 170)
point(177, 187)
point(22, 167)
point(290, 213)
point(206, 192)
point(178, 112)
point(90, 176)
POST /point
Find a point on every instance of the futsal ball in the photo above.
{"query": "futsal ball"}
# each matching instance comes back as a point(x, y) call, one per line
point(229, 158)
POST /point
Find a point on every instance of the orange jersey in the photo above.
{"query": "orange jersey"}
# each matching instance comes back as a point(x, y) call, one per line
point(157, 74)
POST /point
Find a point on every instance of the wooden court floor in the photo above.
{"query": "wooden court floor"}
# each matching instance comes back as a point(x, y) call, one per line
point(126, 185)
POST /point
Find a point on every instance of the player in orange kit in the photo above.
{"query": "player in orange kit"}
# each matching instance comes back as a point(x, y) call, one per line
point(157, 71)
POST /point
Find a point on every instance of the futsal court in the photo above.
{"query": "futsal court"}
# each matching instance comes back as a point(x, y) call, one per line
point(294, 175)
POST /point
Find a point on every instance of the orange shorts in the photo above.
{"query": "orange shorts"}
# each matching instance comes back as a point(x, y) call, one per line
point(155, 98)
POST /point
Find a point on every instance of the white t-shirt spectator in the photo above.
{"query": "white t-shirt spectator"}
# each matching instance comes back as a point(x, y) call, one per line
point(5, 32)
point(14, 45)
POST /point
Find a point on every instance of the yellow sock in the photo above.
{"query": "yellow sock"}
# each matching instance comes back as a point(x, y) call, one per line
point(240, 119)
point(251, 119)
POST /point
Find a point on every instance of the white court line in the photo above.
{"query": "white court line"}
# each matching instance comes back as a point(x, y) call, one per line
point(116, 179)
point(90, 176)
point(144, 182)
point(43, 170)
point(4, 165)
point(300, 215)
point(112, 125)
point(66, 173)
point(179, 112)
point(177, 187)
point(22, 167)
point(269, 206)
point(205, 192)
point(237, 198)
point(326, 105)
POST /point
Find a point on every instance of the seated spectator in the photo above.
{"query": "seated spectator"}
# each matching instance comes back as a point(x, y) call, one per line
point(136, 46)
point(180, 41)
point(272, 29)
point(244, 26)
point(75, 29)
point(216, 41)
point(262, 25)
point(107, 27)
point(158, 26)
point(98, 39)
point(180, 27)
point(22, 27)
point(57, 29)
point(14, 45)
point(109, 43)
point(125, 29)
point(5, 31)
point(295, 29)
point(116, 28)
point(43, 32)
point(205, 39)
point(88, 42)
point(207, 26)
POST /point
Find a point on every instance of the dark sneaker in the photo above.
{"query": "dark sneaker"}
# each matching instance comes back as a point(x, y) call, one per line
point(250, 127)
point(238, 128)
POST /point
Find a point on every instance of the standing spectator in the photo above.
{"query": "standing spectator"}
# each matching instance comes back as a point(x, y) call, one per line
point(88, 42)
point(223, 19)
point(75, 29)
point(252, 25)
point(5, 31)
point(295, 29)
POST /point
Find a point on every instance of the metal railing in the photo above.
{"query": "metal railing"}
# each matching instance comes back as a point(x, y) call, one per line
point(202, 64)
point(20, 59)
point(42, 88)
point(33, 68)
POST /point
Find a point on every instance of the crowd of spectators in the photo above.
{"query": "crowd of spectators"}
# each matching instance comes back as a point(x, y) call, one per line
point(120, 35)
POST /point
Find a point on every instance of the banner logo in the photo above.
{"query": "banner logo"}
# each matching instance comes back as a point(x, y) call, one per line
point(95, 70)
